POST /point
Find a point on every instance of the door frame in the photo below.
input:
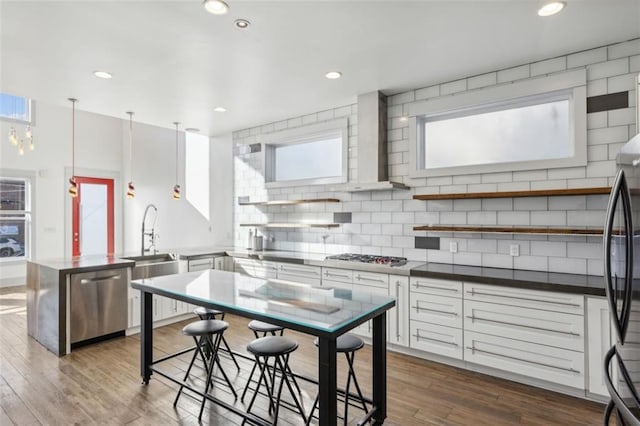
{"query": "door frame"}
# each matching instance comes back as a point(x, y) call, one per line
point(76, 213)
point(68, 206)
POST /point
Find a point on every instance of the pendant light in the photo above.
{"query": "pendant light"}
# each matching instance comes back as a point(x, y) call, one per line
point(73, 185)
point(176, 188)
point(131, 190)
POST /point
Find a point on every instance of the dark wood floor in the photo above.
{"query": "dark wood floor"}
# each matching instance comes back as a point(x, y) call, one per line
point(100, 384)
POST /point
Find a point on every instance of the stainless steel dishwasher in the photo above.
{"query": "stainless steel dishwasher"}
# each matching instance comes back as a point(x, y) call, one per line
point(98, 304)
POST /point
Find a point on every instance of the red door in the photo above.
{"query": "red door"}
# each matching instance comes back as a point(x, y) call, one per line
point(92, 217)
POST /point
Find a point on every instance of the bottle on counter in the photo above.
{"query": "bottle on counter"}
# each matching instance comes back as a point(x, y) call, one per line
point(250, 242)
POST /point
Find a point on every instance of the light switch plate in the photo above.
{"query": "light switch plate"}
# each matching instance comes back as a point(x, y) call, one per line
point(514, 250)
point(453, 247)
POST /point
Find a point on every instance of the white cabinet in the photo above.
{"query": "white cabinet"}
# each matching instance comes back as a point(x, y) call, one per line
point(599, 342)
point(398, 332)
point(134, 308)
point(255, 268)
point(223, 263)
point(435, 313)
point(201, 264)
point(529, 332)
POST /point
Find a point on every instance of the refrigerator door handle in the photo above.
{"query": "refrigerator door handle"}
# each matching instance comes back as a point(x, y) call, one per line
point(616, 400)
point(619, 191)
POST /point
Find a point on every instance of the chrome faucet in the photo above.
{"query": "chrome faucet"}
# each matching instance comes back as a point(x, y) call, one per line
point(151, 234)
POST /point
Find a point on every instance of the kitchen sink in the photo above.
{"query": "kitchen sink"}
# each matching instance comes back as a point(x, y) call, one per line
point(154, 265)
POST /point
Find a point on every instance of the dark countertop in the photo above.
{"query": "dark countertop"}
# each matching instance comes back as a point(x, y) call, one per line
point(534, 280)
point(84, 264)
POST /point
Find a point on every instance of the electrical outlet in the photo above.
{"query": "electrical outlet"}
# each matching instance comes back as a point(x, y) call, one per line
point(453, 247)
point(514, 250)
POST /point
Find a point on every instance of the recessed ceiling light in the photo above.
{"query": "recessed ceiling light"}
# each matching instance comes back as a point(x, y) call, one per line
point(103, 74)
point(192, 130)
point(551, 8)
point(220, 109)
point(241, 24)
point(332, 75)
point(217, 7)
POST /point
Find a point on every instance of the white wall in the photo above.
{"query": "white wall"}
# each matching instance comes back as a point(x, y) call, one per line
point(102, 149)
point(383, 221)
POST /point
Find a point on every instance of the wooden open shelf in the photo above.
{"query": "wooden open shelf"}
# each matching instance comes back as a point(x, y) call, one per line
point(514, 194)
point(510, 230)
point(291, 225)
point(289, 202)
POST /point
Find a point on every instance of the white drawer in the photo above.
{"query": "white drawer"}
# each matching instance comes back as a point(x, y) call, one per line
point(255, 268)
point(335, 274)
point(529, 359)
point(550, 328)
point(436, 309)
point(299, 273)
point(437, 339)
point(200, 264)
point(534, 299)
point(437, 287)
point(371, 279)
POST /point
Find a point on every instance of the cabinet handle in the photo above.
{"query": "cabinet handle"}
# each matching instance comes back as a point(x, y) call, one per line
point(397, 312)
point(419, 337)
point(474, 293)
point(96, 280)
point(418, 309)
point(301, 271)
point(329, 274)
point(377, 280)
point(416, 285)
point(474, 349)
point(569, 333)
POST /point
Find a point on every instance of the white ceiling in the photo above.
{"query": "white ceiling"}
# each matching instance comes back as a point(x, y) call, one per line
point(173, 61)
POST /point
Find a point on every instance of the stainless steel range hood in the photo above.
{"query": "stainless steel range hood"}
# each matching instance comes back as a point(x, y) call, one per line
point(372, 147)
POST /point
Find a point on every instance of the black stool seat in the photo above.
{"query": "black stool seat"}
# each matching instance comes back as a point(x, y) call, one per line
point(346, 343)
point(263, 327)
point(272, 346)
point(205, 327)
point(205, 313)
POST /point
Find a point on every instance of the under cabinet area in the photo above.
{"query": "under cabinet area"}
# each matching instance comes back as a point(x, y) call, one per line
point(598, 343)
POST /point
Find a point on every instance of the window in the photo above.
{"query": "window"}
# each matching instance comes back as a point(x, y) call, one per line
point(16, 108)
point(309, 155)
point(15, 217)
point(197, 180)
point(537, 124)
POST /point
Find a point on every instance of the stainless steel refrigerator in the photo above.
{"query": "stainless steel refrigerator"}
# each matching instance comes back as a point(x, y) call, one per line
point(622, 280)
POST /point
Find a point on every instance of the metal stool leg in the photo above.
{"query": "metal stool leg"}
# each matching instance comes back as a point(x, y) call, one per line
point(262, 375)
point(355, 381)
point(193, 359)
point(285, 379)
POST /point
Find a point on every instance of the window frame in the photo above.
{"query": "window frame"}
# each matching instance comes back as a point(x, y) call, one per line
point(29, 212)
point(300, 135)
point(30, 112)
point(571, 84)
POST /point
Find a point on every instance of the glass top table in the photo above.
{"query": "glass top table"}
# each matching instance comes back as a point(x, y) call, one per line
point(324, 312)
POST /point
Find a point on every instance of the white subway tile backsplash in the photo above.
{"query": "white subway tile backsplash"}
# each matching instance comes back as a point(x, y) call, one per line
point(371, 206)
point(587, 57)
point(513, 218)
point(524, 246)
point(402, 98)
point(530, 203)
point(427, 92)
point(512, 74)
point(402, 217)
point(597, 202)
point(621, 83)
point(607, 135)
point(482, 218)
point(574, 202)
point(439, 256)
point(427, 218)
point(394, 229)
point(497, 177)
point(595, 267)
point(549, 248)
point(381, 240)
point(482, 246)
point(549, 66)
point(594, 218)
point(549, 184)
point(627, 48)
point(608, 69)
point(598, 152)
point(403, 242)
point(490, 260)
point(483, 80)
point(597, 120)
point(417, 255)
point(618, 117)
point(634, 63)
point(534, 263)
point(453, 218)
point(439, 205)
point(467, 205)
point(568, 266)
point(453, 87)
point(466, 179)
point(529, 175)
point(584, 250)
point(497, 204)
point(549, 218)
point(513, 186)
point(466, 258)
point(567, 173)
point(360, 217)
point(381, 217)
point(482, 187)
point(414, 206)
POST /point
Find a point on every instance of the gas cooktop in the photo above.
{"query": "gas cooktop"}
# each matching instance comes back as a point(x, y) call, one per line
point(369, 258)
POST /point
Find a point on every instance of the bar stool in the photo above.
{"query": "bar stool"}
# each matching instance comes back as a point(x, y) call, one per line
point(279, 348)
point(265, 328)
point(202, 332)
point(210, 314)
point(347, 344)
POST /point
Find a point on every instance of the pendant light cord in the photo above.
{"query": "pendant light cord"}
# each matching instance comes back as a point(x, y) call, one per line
point(73, 137)
point(177, 124)
point(130, 146)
